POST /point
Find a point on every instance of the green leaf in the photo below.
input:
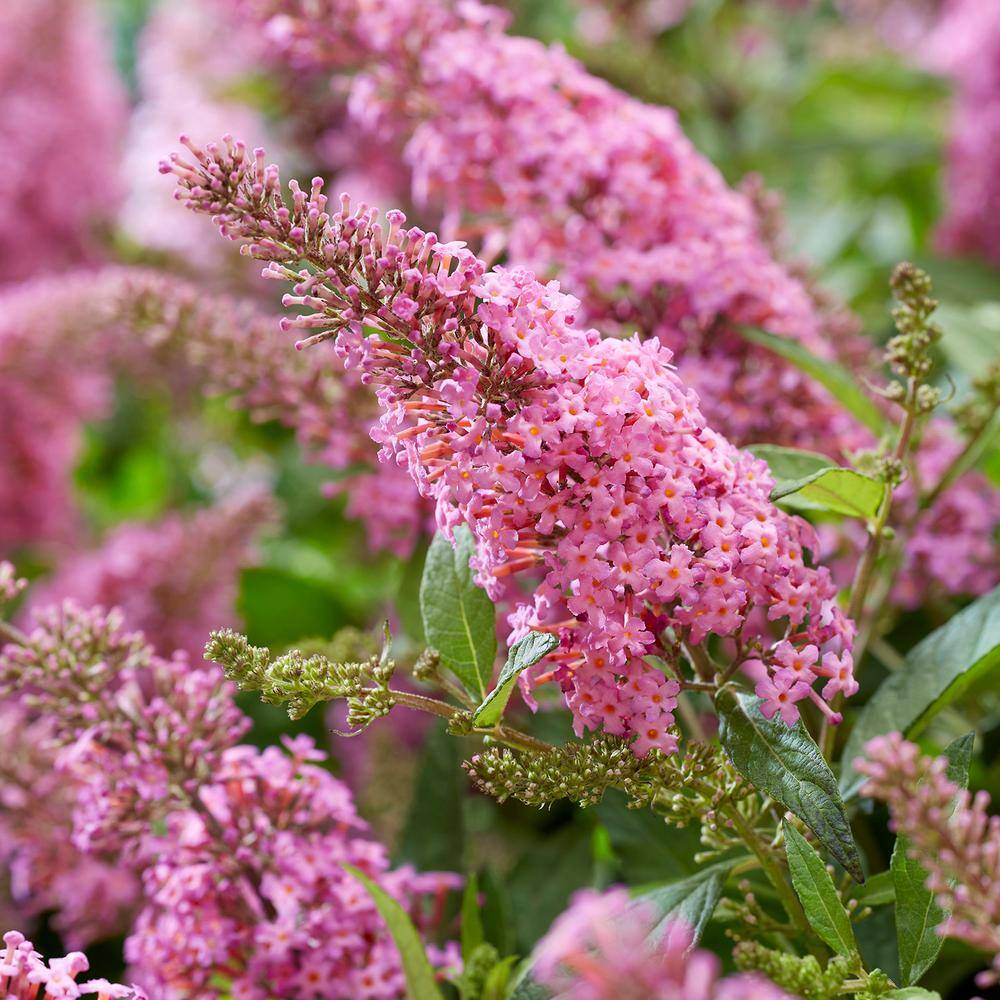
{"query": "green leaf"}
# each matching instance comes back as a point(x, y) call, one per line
point(917, 915)
point(836, 379)
point(806, 480)
point(817, 894)
point(877, 891)
point(691, 899)
point(935, 673)
point(785, 762)
point(840, 491)
point(472, 921)
point(645, 850)
point(913, 993)
point(917, 912)
point(459, 619)
point(971, 334)
point(433, 837)
point(523, 654)
point(282, 607)
point(420, 981)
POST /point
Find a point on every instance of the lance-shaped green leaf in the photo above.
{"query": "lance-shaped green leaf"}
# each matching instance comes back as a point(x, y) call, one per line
point(523, 654)
point(836, 379)
point(917, 912)
point(692, 900)
point(420, 981)
point(785, 762)
point(935, 673)
point(472, 921)
point(806, 480)
point(913, 993)
point(816, 892)
point(459, 618)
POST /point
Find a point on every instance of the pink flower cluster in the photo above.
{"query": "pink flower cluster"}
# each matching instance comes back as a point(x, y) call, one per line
point(582, 461)
point(240, 851)
point(965, 44)
point(950, 832)
point(174, 580)
point(48, 387)
point(513, 143)
point(285, 826)
point(63, 108)
point(86, 897)
point(60, 339)
point(516, 144)
point(608, 946)
point(25, 975)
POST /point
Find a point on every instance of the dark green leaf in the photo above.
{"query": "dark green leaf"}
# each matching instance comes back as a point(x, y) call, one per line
point(472, 921)
point(877, 891)
point(523, 654)
point(917, 915)
point(646, 849)
point(420, 981)
point(816, 891)
point(785, 762)
point(936, 672)
point(917, 912)
point(459, 619)
point(280, 607)
point(433, 837)
point(838, 381)
point(692, 900)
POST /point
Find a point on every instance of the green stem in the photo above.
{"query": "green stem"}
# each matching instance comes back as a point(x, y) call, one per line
point(775, 875)
point(12, 634)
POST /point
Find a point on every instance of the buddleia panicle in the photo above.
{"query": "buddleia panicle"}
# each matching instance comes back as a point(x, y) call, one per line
point(801, 977)
point(302, 680)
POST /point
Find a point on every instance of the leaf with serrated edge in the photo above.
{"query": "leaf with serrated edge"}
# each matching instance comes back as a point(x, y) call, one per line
point(420, 981)
point(816, 892)
point(917, 912)
point(936, 672)
point(785, 762)
point(459, 618)
point(523, 654)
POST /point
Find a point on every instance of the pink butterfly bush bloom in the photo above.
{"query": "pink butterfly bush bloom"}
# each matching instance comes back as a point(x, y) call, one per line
point(965, 45)
point(241, 851)
point(57, 337)
point(584, 463)
point(514, 143)
point(950, 832)
point(87, 897)
point(608, 946)
point(175, 579)
point(25, 975)
point(63, 108)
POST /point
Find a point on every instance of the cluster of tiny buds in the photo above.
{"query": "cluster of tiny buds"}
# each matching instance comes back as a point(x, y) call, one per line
point(11, 585)
point(800, 976)
point(908, 353)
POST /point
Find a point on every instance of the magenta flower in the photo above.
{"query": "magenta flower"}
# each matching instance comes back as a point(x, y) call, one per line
point(611, 947)
point(950, 832)
point(477, 389)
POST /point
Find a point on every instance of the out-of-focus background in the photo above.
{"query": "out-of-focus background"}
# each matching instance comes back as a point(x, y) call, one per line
point(857, 126)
